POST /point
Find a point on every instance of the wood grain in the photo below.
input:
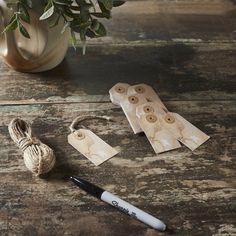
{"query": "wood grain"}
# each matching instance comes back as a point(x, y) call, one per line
point(186, 51)
point(168, 20)
point(176, 71)
point(192, 192)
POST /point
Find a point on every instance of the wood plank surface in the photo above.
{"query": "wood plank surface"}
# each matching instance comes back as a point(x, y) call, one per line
point(176, 71)
point(186, 51)
point(168, 20)
point(192, 192)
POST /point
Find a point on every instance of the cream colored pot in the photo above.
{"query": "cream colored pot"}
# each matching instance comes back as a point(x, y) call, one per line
point(43, 51)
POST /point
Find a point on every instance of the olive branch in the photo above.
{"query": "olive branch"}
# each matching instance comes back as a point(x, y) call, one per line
point(80, 16)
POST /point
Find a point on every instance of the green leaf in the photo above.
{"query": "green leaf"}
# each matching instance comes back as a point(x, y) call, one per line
point(101, 31)
point(117, 3)
point(12, 25)
point(48, 4)
point(97, 32)
point(95, 25)
point(68, 12)
point(108, 4)
point(90, 33)
point(84, 14)
point(23, 30)
point(62, 2)
point(106, 13)
point(75, 8)
point(101, 15)
point(83, 35)
point(80, 2)
point(24, 15)
point(79, 26)
point(73, 40)
point(47, 13)
point(66, 25)
point(76, 14)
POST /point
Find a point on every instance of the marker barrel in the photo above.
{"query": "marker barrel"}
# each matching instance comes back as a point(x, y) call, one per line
point(132, 211)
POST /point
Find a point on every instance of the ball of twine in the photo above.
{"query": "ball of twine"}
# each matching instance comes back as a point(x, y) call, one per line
point(38, 157)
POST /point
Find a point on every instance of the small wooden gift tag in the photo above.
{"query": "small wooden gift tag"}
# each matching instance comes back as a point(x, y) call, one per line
point(118, 92)
point(91, 146)
point(161, 139)
point(146, 91)
point(184, 131)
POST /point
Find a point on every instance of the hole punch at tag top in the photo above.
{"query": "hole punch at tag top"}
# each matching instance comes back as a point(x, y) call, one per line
point(133, 99)
point(120, 89)
point(79, 134)
point(146, 91)
point(148, 109)
point(118, 93)
point(129, 105)
point(151, 118)
point(169, 118)
point(140, 89)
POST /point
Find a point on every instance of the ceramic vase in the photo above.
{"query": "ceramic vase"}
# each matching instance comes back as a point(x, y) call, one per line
point(45, 49)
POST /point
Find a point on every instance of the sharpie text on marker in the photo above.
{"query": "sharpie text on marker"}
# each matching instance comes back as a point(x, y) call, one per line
point(125, 210)
point(118, 203)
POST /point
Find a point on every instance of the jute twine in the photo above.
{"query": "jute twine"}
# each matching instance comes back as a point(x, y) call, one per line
point(78, 119)
point(38, 157)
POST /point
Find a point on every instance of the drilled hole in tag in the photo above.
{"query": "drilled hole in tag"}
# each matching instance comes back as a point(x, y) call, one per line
point(169, 119)
point(120, 89)
point(148, 109)
point(79, 135)
point(139, 89)
point(151, 118)
point(133, 99)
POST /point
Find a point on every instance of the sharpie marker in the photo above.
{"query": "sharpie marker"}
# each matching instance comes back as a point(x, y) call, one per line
point(119, 203)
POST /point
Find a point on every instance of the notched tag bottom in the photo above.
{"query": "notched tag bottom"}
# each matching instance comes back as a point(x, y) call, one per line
point(160, 138)
point(185, 132)
point(165, 130)
point(91, 146)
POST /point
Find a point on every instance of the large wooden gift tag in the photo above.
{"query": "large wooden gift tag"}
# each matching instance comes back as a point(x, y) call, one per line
point(91, 146)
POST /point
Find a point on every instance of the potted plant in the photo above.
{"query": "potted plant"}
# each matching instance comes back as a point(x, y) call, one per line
point(36, 33)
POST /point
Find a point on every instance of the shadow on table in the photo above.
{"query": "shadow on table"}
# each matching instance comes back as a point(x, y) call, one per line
point(102, 67)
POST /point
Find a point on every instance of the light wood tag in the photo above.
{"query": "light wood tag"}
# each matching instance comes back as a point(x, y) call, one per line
point(180, 128)
point(184, 131)
point(128, 103)
point(91, 146)
point(146, 91)
point(118, 92)
point(161, 138)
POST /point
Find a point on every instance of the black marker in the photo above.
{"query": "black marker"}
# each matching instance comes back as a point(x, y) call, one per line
point(119, 203)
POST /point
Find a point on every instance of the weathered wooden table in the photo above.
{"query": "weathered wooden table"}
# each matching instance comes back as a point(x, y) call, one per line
point(186, 50)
